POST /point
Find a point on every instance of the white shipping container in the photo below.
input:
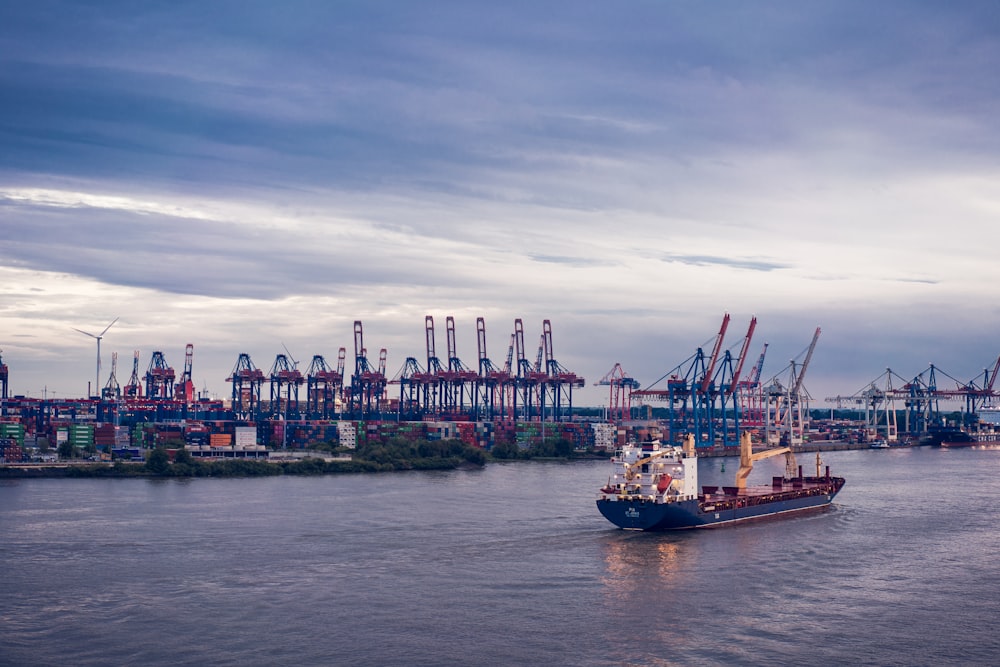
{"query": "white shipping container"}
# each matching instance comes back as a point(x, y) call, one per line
point(245, 436)
point(347, 434)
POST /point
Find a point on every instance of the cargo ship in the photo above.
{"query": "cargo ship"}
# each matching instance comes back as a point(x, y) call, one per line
point(655, 487)
point(964, 439)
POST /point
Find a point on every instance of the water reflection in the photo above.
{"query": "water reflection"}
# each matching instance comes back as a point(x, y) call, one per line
point(647, 587)
point(635, 561)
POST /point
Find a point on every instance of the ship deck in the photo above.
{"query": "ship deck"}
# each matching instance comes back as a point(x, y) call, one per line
point(730, 497)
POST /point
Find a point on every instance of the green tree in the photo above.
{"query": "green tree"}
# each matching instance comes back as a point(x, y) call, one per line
point(67, 450)
point(158, 461)
point(182, 455)
point(563, 447)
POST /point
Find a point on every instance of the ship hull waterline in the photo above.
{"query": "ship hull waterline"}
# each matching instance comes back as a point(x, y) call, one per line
point(648, 515)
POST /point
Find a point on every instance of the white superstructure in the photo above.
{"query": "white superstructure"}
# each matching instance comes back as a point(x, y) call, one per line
point(654, 472)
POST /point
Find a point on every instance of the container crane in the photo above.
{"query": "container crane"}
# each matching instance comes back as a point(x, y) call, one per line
point(734, 383)
point(285, 380)
point(786, 418)
point(492, 381)
point(511, 383)
point(749, 394)
point(323, 386)
point(412, 381)
point(797, 388)
point(247, 380)
point(723, 388)
point(690, 394)
point(526, 378)
point(706, 380)
point(112, 390)
point(184, 391)
point(3, 379)
point(460, 379)
point(133, 389)
point(367, 383)
point(159, 378)
point(435, 370)
point(559, 378)
point(620, 386)
point(976, 397)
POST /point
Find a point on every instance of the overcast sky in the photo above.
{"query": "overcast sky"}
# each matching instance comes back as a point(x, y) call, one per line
point(255, 176)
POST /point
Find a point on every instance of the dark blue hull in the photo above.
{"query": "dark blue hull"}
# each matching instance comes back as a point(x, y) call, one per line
point(705, 512)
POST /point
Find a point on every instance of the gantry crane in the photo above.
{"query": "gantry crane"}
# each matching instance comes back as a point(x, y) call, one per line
point(324, 386)
point(112, 391)
point(690, 394)
point(159, 378)
point(133, 390)
point(3, 378)
point(787, 415)
point(435, 371)
point(285, 380)
point(184, 390)
point(749, 395)
point(247, 380)
point(526, 377)
point(620, 387)
point(492, 382)
point(367, 383)
point(560, 380)
point(460, 380)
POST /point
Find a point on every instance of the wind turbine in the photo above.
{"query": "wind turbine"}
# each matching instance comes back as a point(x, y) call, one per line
point(97, 379)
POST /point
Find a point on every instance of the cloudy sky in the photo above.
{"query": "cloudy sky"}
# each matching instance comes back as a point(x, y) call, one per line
point(255, 176)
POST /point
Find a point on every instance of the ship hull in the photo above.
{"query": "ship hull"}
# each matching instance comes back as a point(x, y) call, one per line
point(965, 443)
point(708, 512)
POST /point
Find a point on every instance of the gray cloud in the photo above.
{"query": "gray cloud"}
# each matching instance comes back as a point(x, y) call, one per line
point(315, 162)
point(734, 262)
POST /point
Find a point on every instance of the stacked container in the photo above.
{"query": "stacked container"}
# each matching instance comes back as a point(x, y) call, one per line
point(347, 434)
point(11, 451)
point(12, 430)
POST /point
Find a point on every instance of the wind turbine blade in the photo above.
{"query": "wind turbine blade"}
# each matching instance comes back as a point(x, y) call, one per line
point(86, 333)
point(108, 327)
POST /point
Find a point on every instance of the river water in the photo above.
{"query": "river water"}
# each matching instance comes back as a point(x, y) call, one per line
point(508, 565)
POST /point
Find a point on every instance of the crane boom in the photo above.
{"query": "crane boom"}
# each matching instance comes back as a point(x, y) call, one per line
point(743, 356)
point(758, 367)
point(710, 371)
point(805, 364)
point(993, 377)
